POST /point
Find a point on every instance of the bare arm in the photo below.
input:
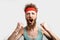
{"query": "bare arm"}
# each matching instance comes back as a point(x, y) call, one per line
point(45, 33)
point(53, 35)
point(48, 33)
point(17, 33)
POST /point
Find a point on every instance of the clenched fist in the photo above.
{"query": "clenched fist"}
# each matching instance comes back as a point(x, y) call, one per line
point(48, 32)
point(17, 33)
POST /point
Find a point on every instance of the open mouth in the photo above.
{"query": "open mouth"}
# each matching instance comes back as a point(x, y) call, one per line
point(30, 20)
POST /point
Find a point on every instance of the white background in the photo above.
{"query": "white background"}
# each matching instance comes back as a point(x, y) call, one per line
point(12, 11)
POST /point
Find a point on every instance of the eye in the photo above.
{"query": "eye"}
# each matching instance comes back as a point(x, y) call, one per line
point(27, 13)
point(33, 13)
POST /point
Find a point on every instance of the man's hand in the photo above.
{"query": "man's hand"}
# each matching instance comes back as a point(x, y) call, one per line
point(45, 29)
point(17, 33)
point(48, 33)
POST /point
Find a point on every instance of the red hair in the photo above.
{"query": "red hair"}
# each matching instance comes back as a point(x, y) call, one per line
point(29, 7)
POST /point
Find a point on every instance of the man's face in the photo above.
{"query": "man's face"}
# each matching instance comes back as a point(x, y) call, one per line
point(31, 17)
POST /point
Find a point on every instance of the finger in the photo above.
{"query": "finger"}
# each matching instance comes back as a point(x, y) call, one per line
point(18, 25)
point(42, 26)
point(21, 31)
point(45, 26)
point(45, 32)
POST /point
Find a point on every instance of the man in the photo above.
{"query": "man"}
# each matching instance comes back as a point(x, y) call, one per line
point(32, 31)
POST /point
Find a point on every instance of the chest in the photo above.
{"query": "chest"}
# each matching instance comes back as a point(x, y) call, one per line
point(32, 33)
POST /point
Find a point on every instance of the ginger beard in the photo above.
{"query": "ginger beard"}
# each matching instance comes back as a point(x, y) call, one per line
point(31, 22)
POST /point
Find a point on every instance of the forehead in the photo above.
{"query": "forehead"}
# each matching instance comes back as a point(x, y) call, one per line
point(30, 11)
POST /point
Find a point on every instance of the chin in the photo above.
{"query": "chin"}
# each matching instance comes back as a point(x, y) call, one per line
point(32, 23)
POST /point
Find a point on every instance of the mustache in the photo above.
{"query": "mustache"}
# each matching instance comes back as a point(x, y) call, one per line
point(29, 19)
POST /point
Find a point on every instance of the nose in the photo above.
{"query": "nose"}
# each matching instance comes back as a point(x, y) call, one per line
point(30, 15)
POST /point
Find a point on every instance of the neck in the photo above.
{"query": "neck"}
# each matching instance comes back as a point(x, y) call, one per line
point(30, 27)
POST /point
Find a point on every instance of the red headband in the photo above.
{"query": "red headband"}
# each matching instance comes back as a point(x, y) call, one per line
point(31, 8)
